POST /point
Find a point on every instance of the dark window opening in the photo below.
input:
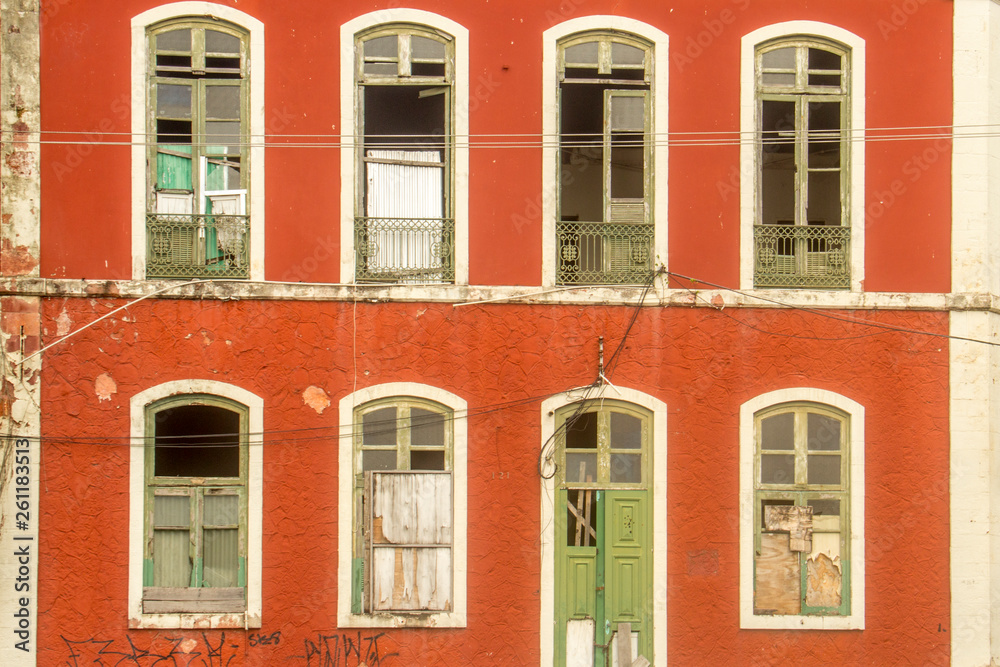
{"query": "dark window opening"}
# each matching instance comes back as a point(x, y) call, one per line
point(197, 441)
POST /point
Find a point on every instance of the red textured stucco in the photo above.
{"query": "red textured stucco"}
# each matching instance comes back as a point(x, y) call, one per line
point(702, 363)
point(86, 58)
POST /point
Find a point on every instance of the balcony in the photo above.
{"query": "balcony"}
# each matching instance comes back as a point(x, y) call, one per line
point(601, 253)
point(197, 246)
point(404, 250)
point(812, 256)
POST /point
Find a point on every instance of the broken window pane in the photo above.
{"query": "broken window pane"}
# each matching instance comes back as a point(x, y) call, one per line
point(197, 441)
point(824, 469)
point(824, 135)
point(820, 59)
point(379, 428)
point(427, 459)
point(778, 432)
point(777, 469)
point(823, 507)
point(626, 431)
point(581, 432)
point(824, 432)
point(581, 518)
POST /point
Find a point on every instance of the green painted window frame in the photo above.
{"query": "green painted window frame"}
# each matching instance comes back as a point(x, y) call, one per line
point(198, 228)
point(194, 598)
point(440, 234)
point(795, 251)
point(800, 492)
point(403, 448)
point(617, 249)
point(605, 451)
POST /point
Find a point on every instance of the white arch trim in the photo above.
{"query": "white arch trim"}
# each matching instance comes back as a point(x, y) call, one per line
point(348, 123)
point(659, 513)
point(137, 493)
point(255, 28)
point(550, 128)
point(345, 502)
point(748, 130)
point(856, 412)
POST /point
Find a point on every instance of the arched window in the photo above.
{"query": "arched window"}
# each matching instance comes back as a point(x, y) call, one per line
point(404, 229)
point(803, 231)
point(802, 510)
point(196, 461)
point(604, 222)
point(802, 551)
point(198, 150)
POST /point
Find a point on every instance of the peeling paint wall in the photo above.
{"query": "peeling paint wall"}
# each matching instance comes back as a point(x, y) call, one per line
point(700, 362)
point(20, 202)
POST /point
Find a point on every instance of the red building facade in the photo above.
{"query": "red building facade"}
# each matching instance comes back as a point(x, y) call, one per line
point(456, 333)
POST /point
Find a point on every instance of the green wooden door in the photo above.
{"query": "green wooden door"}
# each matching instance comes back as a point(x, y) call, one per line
point(604, 578)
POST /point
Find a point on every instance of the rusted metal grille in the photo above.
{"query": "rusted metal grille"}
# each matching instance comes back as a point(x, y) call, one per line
point(406, 250)
point(600, 253)
point(197, 246)
point(802, 256)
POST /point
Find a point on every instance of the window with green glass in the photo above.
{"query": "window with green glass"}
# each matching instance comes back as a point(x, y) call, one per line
point(197, 223)
point(802, 561)
point(195, 506)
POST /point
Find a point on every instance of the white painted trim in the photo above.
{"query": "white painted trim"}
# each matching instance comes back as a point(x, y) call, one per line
point(345, 475)
point(856, 619)
point(659, 513)
point(255, 28)
point(348, 123)
point(550, 128)
point(748, 132)
point(255, 499)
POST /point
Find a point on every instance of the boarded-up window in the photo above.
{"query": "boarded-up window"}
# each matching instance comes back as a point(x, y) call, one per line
point(404, 510)
point(801, 488)
point(408, 537)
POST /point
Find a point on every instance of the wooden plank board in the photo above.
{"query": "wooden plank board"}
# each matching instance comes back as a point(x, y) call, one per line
point(777, 588)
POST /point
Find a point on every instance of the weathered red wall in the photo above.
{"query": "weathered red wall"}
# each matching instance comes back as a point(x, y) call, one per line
point(86, 83)
point(703, 363)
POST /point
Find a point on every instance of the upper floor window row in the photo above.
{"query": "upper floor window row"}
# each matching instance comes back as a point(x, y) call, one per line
point(405, 189)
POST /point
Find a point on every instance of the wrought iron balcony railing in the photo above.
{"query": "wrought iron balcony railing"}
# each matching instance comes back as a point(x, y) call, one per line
point(802, 256)
point(404, 250)
point(197, 246)
point(601, 253)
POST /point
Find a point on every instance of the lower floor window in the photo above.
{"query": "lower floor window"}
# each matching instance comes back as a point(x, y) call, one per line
point(195, 506)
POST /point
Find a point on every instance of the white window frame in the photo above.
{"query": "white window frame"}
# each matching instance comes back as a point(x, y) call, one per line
point(457, 618)
point(856, 492)
point(348, 122)
point(140, 88)
point(658, 499)
point(137, 515)
point(749, 169)
point(550, 128)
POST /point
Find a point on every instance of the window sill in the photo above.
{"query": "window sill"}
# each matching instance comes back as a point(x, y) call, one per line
point(413, 620)
point(789, 622)
point(195, 621)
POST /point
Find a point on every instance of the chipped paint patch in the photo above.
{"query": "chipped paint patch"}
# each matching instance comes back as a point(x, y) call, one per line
point(104, 386)
point(316, 399)
point(16, 260)
point(63, 323)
